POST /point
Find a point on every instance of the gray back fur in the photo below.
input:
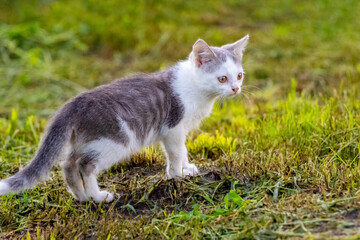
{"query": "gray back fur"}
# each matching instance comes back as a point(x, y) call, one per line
point(143, 102)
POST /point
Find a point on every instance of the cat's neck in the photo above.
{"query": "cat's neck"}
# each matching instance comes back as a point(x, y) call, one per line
point(187, 86)
point(197, 102)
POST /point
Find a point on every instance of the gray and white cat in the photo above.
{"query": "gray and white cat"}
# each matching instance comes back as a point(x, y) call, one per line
point(103, 126)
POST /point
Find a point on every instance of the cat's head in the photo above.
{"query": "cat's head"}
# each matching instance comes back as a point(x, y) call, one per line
point(219, 70)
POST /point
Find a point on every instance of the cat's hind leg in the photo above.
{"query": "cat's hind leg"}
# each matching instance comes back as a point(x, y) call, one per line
point(99, 155)
point(88, 168)
point(73, 178)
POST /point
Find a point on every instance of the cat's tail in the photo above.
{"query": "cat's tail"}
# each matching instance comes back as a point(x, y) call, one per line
point(46, 156)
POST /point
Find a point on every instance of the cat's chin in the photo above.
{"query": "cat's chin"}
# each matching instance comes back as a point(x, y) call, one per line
point(231, 95)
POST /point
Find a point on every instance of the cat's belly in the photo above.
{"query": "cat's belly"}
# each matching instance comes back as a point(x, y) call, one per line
point(110, 151)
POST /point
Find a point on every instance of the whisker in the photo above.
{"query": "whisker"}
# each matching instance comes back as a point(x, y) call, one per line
point(255, 94)
point(250, 93)
point(251, 86)
point(247, 98)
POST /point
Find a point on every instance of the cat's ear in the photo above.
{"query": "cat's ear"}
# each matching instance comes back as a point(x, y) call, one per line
point(202, 53)
point(238, 47)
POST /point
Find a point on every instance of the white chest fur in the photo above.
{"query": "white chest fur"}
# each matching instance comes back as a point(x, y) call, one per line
point(197, 104)
point(195, 113)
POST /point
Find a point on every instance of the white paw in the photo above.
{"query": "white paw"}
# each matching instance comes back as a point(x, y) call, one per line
point(173, 174)
point(190, 169)
point(104, 196)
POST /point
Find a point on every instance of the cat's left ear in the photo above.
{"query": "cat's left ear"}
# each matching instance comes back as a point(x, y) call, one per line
point(238, 47)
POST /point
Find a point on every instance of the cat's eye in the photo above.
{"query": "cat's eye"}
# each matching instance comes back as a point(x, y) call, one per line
point(222, 79)
point(240, 76)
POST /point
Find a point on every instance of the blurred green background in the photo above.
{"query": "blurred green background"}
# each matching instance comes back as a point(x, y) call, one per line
point(52, 50)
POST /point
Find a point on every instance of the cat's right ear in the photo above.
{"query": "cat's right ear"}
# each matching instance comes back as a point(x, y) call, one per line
point(202, 53)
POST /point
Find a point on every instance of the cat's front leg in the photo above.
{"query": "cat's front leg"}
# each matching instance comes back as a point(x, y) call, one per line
point(177, 163)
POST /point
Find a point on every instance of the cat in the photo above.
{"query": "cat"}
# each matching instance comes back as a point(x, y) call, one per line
point(103, 126)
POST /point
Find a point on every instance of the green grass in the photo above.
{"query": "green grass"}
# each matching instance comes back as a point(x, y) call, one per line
point(280, 162)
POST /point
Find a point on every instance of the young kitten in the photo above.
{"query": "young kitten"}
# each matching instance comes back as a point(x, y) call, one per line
point(103, 126)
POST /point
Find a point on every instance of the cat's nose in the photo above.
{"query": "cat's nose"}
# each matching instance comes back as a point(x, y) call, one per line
point(235, 89)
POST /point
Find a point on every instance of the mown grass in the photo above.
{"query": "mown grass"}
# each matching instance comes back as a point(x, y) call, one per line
point(280, 162)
